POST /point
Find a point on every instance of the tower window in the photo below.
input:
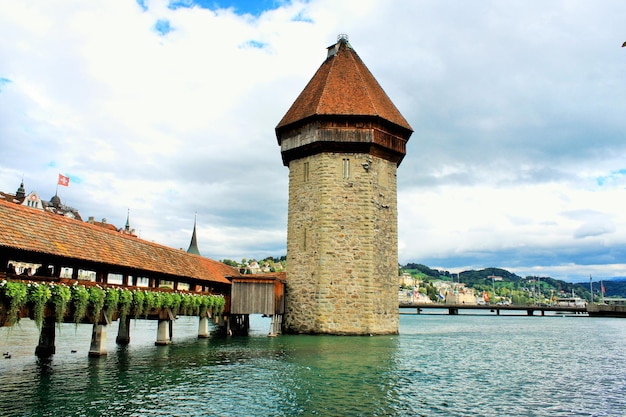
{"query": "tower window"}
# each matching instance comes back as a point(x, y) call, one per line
point(306, 172)
point(346, 168)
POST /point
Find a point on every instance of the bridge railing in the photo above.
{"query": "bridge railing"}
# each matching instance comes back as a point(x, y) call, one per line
point(528, 308)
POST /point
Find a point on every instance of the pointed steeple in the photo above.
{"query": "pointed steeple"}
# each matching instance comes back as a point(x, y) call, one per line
point(193, 245)
point(21, 191)
point(127, 227)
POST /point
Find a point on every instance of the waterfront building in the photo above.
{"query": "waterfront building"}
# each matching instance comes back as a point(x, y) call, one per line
point(342, 140)
point(32, 200)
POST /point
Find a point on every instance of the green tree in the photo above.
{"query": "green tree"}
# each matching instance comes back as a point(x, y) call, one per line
point(230, 262)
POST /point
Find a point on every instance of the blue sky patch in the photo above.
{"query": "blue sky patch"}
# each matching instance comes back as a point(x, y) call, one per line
point(613, 175)
point(3, 82)
point(163, 27)
point(253, 7)
point(142, 4)
point(254, 44)
point(300, 17)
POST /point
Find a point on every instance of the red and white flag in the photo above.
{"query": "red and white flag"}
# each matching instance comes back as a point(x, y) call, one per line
point(63, 180)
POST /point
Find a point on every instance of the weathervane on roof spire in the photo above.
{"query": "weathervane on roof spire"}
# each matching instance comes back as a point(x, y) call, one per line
point(342, 37)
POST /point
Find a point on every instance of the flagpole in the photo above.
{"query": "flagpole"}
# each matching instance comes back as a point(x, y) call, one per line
point(602, 290)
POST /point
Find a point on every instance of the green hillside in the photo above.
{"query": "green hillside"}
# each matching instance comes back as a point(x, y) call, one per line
point(504, 284)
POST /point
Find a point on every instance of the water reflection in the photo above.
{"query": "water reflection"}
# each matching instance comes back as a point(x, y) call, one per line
point(437, 366)
point(330, 375)
point(44, 389)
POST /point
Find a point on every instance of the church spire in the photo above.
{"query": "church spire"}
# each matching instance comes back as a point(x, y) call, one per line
point(127, 227)
point(21, 191)
point(193, 245)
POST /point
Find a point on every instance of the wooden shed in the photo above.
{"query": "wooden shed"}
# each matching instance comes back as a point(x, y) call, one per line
point(258, 294)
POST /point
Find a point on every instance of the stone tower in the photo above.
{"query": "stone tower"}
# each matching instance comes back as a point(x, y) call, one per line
point(342, 140)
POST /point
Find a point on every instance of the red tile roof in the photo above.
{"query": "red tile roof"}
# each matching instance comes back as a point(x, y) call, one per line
point(343, 86)
point(27, 229)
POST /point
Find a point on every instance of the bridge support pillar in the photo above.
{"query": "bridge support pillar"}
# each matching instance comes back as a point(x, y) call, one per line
point(497, 312)
point(46, 347)
point(165, 328)
point(276, 326)
point(98, 340)
point(163, 333)
point(530, 312)
point(203, 327)
point(123, 332)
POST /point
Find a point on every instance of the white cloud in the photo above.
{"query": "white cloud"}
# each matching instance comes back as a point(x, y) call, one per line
point(517, 157)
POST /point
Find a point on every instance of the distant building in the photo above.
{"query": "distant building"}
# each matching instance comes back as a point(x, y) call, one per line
point(454, 293)
point(407, 280)
point(33, 200)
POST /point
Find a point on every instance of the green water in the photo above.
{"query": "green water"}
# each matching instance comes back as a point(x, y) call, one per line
point(439, 365)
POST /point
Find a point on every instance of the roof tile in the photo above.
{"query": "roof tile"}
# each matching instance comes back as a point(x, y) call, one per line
point(343, 86)
point(33, 230)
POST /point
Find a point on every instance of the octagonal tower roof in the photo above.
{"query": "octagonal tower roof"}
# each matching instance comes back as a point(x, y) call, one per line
point(342, 86)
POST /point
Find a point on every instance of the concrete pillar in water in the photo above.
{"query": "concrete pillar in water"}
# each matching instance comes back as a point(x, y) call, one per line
point(46, 347)
point(163, 333)
point(203, 327)
point(98, 340)
point(123, 332)
point(164, 329)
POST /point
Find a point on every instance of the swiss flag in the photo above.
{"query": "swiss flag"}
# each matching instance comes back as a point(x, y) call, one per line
point(63, 180)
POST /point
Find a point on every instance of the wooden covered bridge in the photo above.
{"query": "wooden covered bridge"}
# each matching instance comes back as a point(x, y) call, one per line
point(70, 252)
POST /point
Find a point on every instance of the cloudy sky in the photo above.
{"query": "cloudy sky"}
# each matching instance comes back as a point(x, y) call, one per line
point(168, 109)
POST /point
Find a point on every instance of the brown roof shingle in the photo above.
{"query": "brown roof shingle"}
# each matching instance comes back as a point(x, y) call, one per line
point(343, 86)
point(27, 229)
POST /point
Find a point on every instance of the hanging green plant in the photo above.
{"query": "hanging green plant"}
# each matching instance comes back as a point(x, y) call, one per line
point(176, 301)
point(111, 300)
point(80, 298)
point(96, 300)
point(151, 302)
point(61, 296)
point(38, 296)
point(211, 306)
point(204, 304)
point(165, 300)
point(158, 300)
point(186, 304)
point(220, 303)
point(139, 301)
point(195, 305)
point(125, 303)
point(16, 294)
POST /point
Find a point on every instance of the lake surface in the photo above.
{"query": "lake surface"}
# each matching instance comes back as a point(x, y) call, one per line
point(439, 365)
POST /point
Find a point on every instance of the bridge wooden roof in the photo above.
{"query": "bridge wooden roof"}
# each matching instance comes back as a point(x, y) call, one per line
point(35, 231)
point(343, 86)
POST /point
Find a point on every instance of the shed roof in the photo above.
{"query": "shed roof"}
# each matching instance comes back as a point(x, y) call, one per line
point(27, 229)
point(343, 86)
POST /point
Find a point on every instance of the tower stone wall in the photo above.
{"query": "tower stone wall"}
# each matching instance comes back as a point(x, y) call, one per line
point(342, 248)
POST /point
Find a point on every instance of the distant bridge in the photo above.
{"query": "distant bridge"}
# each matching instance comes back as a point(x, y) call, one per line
point(530, 310)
